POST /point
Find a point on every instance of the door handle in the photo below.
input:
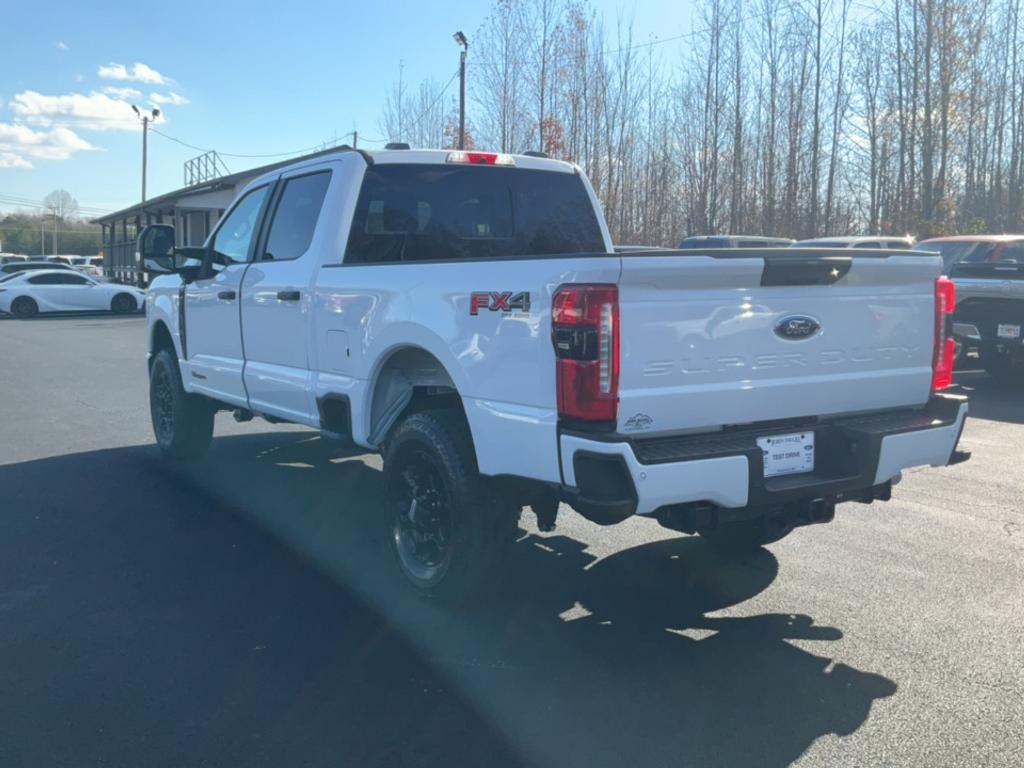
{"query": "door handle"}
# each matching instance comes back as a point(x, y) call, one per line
point(227, 295)
point(288, 295)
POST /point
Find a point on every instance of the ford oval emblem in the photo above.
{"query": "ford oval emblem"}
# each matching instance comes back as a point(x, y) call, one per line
point(797, 327)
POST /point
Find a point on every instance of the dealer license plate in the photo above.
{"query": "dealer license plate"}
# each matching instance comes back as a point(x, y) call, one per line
point(1006, 331)
point(787, 454)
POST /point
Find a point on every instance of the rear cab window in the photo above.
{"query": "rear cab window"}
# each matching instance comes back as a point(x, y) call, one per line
point(412, 212)
point(295, 216)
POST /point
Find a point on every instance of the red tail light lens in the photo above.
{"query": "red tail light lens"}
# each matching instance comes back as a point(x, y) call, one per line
point(585, 332)
point(945, 347)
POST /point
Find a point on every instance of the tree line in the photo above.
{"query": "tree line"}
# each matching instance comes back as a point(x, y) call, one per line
point(55, 228)
point(792, 118)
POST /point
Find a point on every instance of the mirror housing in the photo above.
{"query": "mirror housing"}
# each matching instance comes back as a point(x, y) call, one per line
point(156, 250)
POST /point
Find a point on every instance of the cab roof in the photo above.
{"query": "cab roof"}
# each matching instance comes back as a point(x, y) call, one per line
point(974, 239)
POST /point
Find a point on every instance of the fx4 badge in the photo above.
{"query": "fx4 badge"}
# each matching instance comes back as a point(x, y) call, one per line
point(501, 301)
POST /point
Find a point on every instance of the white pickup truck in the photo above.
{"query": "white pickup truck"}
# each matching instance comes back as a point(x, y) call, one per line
point(466, 314)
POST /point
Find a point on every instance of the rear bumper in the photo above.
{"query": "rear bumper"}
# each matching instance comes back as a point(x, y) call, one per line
point(610, 479)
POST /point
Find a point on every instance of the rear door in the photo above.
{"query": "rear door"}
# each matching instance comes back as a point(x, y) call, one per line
point(708, 341)
point(212, 320)
point(277, 299)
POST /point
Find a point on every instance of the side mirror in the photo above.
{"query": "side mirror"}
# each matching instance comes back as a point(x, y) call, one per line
point(155, 249)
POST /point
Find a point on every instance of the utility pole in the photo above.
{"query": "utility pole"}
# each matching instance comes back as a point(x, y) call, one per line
point(355, 139)
point(461, 40)
point(146, 120)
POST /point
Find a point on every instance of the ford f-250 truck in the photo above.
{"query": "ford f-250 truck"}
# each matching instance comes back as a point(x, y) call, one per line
point(465, 314)
point(988, 271)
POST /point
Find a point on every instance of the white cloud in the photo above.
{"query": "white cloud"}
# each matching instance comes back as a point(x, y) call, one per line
point(20, 144)
point(175, 99)
point(94, 111)
point(62, 45)
point(121, 93)
point(138, 72)
point(11, 160)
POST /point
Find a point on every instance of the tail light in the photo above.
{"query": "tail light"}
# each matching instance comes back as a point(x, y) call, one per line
point(945, 347)
point(585, 332)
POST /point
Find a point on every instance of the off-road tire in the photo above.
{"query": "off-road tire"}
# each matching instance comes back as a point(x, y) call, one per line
point(182, 423)
point(482, 527)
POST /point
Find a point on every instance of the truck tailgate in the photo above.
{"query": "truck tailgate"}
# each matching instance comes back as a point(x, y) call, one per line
point(741, 337)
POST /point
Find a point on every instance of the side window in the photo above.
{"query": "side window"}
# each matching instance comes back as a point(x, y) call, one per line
point(867, 245)
point(1013, 252)
point(57, 279)
point(235, 234)
point(295, 217)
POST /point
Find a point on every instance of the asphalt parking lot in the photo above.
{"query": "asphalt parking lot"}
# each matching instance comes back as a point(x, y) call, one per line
point(239, 611)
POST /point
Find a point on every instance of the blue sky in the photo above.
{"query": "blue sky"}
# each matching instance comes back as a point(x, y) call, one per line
point(242, 78)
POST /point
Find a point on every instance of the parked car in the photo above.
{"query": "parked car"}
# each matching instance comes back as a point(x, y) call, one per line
point(478, 328)
point(10, 258)
point(27, 294)
point(734, 241)
point(61, 259)
point(896, 243)
point(26, 266)
point(989, 274)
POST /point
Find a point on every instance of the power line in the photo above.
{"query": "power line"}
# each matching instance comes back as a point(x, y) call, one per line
point(312, 148)
point(28, 202)
point(432, 104)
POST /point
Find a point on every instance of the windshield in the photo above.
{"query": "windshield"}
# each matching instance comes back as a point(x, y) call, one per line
point(439, 212)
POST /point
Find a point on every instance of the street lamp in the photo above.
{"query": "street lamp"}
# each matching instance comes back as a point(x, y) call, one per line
point(146, 120)
point(460, 39)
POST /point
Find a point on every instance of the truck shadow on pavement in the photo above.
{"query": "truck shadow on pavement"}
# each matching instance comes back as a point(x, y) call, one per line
point(189, 632)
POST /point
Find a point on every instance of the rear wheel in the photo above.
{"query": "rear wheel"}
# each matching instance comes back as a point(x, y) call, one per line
point(448, 532)
point(182, 423)
point(24, 307)
point(123, 303)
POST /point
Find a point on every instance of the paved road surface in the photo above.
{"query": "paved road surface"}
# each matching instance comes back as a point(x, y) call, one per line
point(241, 612)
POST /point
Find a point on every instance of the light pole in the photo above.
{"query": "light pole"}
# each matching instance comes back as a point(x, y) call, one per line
point(460, 39)
point(146, 119)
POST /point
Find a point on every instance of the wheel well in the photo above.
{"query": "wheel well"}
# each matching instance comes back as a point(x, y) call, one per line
point(161, 340)
point(411, 379)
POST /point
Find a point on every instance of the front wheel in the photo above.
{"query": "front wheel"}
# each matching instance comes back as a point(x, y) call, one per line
point(123, 304)
point(182, 423)
point(448, 532)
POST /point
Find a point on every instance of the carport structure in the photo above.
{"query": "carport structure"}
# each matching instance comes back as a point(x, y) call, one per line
point(193, 210)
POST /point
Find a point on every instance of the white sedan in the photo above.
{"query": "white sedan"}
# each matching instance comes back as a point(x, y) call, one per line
point(25, 294)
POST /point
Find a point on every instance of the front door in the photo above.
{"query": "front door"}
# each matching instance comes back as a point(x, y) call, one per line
point(277, 301)
point(213, 332)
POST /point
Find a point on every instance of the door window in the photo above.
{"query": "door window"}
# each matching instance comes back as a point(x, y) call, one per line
point(295, 217)
point(62, 279)
point(233, 238)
